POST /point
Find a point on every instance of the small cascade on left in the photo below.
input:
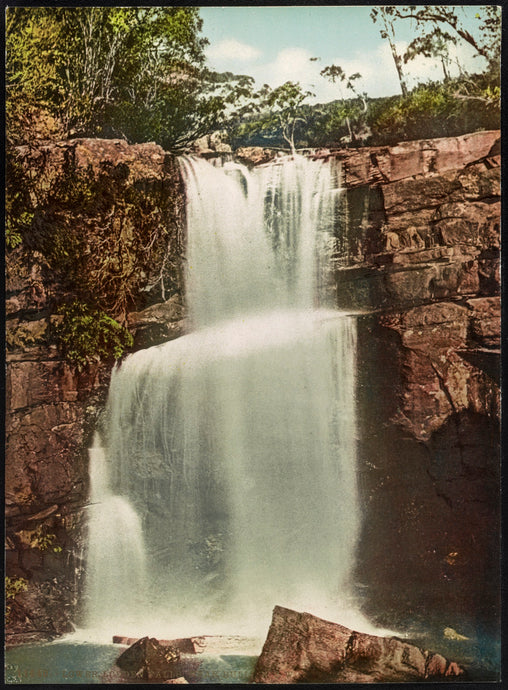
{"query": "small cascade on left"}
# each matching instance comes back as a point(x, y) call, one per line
point(116, 563)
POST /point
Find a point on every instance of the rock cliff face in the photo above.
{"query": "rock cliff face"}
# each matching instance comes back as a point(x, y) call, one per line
point(420, 261)
point(52, 406)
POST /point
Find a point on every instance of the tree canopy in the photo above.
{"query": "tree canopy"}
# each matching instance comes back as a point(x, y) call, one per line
point(136, 72)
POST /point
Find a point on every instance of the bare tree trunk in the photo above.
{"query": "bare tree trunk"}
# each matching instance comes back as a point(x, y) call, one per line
point(398, 64)
point(389, 33)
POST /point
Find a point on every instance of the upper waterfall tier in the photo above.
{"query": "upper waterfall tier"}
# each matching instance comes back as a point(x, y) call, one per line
point(253, 240)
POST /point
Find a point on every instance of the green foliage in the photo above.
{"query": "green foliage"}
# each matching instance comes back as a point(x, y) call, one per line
point(431, 110)
point(136, 72)
point(18, 204)
point(348, 109)
point(43, 540)
point(12, 237)
point(336, 124)
point(85, 335)
point(404, 118)
point(281, 113)
point(13, 587)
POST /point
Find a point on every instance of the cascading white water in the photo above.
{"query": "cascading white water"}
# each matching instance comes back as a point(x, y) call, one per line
point(235, 444)
point(116, 566)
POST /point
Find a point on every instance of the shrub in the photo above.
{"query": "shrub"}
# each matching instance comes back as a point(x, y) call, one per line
point(86, 334)
point(18, 204)
point(434, 110)
point(43, 540)
point(13, 587)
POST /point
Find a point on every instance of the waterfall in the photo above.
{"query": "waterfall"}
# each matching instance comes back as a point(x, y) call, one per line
point(231, 450)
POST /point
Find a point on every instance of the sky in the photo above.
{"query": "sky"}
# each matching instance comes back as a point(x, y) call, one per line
point(274, 44)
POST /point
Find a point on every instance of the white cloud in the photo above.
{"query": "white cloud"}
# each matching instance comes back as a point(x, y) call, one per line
point(377, 67)
point(293, 64)
point(231, 49)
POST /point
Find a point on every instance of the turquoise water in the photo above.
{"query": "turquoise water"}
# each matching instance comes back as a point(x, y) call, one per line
point(71, 663)
point(61, 663)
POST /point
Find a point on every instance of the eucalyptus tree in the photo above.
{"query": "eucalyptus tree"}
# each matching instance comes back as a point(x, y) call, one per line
point(281, 108)
point(337, 75)
point(387, 15)
point(441, 26)
point(444, 22)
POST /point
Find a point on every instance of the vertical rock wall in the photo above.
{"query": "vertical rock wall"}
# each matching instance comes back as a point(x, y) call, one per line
point(422, 263)
point(52, 406)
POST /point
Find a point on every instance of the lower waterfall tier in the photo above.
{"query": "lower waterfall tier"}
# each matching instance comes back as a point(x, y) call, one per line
point(235, 446)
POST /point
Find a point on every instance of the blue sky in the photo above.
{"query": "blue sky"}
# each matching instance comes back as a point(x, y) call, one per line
point(274, 44)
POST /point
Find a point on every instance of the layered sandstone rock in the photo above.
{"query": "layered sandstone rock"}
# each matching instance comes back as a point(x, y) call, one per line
point(421, 263)
point(301, 648)
point(52, 406)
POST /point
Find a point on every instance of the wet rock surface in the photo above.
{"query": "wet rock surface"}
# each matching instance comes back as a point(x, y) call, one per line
point(147, 659)
point(202, 644)
point(157, 323)
point(301, 648)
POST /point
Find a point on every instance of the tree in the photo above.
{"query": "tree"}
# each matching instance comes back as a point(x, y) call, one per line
point(440, 26)
point(239, 99)
point(336, 74)
point(434, 45)
point(387, 15)
point(443, 19)
point(282, 108)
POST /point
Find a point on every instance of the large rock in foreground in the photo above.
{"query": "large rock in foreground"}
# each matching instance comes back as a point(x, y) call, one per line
point(147, 659)
point(301, 648)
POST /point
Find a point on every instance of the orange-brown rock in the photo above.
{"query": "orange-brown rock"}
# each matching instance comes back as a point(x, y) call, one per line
point(301, 648)
point(51, 406)
point(254, 155)
point(370, 165)
point(141, 161)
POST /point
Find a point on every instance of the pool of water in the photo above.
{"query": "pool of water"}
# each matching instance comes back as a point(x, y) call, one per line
point(66, 663)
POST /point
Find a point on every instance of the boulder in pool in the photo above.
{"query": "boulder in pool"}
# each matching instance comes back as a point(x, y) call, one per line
point(147, 659)
point(301, 648)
